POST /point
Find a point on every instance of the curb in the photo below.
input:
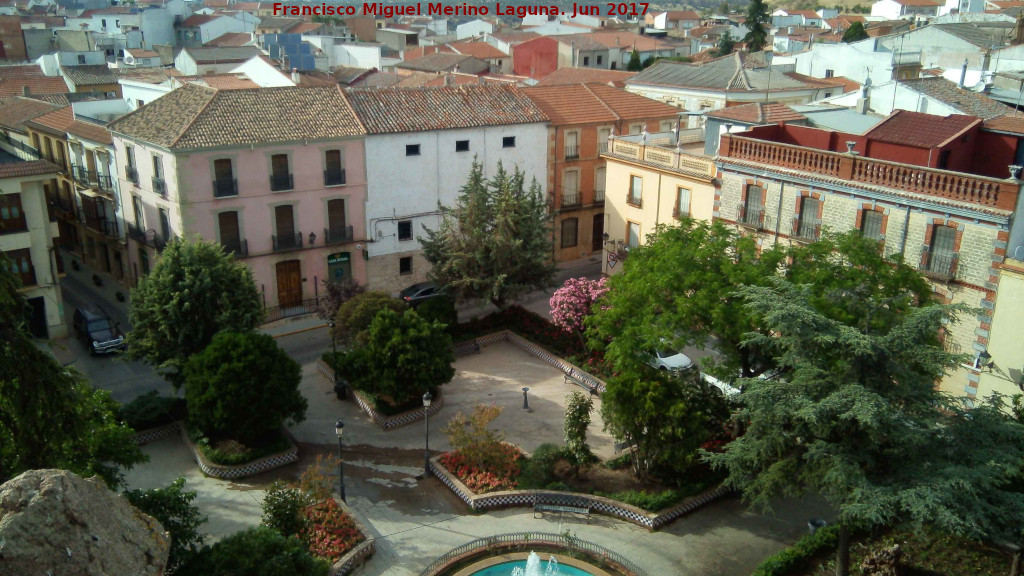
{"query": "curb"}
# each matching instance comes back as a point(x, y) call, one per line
point(294, 332)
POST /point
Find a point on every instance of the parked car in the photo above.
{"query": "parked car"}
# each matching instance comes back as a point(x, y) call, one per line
point(97, 331)
point(727, 390)
point(669, 360)
point(417, 293)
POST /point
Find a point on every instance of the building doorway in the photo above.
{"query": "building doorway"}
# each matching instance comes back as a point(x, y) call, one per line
point(289, 283)
point(597, 242)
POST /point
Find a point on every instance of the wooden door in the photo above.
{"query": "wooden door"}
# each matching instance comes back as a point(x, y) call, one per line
point(598, 233)
point(289, 284)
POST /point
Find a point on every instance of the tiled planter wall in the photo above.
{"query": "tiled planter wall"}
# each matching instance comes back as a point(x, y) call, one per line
point(358, 555)
point(158, 433)
point(385, 422)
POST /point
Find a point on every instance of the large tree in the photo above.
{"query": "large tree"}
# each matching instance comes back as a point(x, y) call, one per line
point(195, 291)
point(678, 290)
point(173, 507)
point(758, 23)
point(726, 44)
point(406, 355)
point(634, 64)
point(495, 243)
point(855, 32)
point(49, 416)
point(244, 387)
point(354, 316)
point(854, 415)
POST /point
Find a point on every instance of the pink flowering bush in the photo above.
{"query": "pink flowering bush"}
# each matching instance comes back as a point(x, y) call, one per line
point(329, 532)
point(500, 472)
point(572, 303)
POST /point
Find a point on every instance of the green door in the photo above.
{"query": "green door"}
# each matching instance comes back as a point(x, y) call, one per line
point(339, 266)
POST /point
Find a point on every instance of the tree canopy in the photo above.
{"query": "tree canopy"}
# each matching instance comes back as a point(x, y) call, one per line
point(173, 507)
point(758, 24)
point(244, 387)
point(855, 32)
point(726, 44)
point(355, 315)
point(49, 416)
point(495, 243)
point(260, 550)
point(854, 414)
point(406, 355)
point(195, 291)
point(634, 64)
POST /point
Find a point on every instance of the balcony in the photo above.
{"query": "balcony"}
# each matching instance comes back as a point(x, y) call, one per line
point(334, 177)
point(338, 235)
point(807, 229)
point(225, 187)
point(147, 237)
point(239, 247)
point(572, 152)
point(750, 216)
point(287, 242)
point(159, 186)
point(28, 276)
point(658, 153)
point(82, 175)
point(280, 182)
point(599, 196)
point(131, 175)
point(602, 148)
point(571, 199)
point(110, 230)
point(634, 200)
point(939, 265)
point(956, 186)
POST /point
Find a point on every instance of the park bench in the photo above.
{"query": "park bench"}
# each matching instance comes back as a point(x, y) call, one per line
point(581, 380)
point(464, 348)
point(555, 503)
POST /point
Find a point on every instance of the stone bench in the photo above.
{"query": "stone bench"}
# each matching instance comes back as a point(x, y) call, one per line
point(573, 377)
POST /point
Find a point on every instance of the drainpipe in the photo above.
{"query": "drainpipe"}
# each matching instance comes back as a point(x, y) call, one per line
point(903, 240)
point(778, 215)
point(657, 207)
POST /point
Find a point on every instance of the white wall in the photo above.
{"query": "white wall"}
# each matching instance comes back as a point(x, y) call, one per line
point(401, 186)
point(132, 92)
point(887, 9)
point(358, 55)
point(238, 22)
point(473, 29)
point(938, 49)
point(262, 73)
point(881, 100)
point(857, 61)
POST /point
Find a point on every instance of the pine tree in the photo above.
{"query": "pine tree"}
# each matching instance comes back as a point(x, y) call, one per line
point(635, 65)
point(758, 23)
point(854, 33)
point(725, 45)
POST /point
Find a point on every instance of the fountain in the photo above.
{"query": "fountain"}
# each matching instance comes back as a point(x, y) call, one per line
point(533, 567)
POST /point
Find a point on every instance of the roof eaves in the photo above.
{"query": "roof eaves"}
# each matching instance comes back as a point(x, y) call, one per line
point(344, 96)
point(603, 103)
point(188, 125)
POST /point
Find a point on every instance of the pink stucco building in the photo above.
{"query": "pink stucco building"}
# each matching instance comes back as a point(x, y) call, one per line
point(275, 175)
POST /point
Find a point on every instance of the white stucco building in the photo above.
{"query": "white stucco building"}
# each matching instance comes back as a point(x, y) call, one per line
point(420, 147)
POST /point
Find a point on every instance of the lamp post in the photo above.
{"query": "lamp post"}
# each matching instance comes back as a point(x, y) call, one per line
point(426, 433)
point(339, 427)
point(768, 55)
point(526, 405)
point(334, 341)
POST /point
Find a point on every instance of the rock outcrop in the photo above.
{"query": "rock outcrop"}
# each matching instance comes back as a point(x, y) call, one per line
point(55, 522)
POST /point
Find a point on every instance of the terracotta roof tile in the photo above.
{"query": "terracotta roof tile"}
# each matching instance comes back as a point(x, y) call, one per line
point(305, 28)
point(417, 109)
point(227, 81)
point(457, 79)
point(479, 49)
point(15, 111)
point(231, 39)
point(676, 15)
point(197, 117)
point(199, 19)
point(439, 62)
point(23, 169)
point(1013, 123)
point(223, 54)
point(56, 121)
point(90, 131)
point(965, 101)
point(139, 53)
point(515, 37)
point(758, 113)
point(570, 75)
point(920, 130)
point(590, 103)
point(416, 52)
point(90, 75)
point(35, 84)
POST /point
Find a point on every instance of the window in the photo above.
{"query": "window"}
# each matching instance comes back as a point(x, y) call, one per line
point(337, 228)
point(12, 218)
point(405, 265)
point(571, 188)
point(940, 256)
point(871, 225)
point(141, 103)
point(144, 261)
point(280, 176)
point(462, 145)
point(828, 94)
point(21, 264)
point(130, 172)
point(158, 168)
point(752, 210)
point(284, 224)
point(224, 183)
point(165, 226)
point(599, 178)
point(829, 73)
point(508, 142)
point(572, 145)
point(599, 59)
point(137, 204)
point(103, 24)
point(666, 126)
point(230, 235)
point(682, 203)
point(636, 128)
point(334, 172)
point(602, 139)
point(405, 229)
point(636, 189)
point(809, 225)
point(586, 60)
point(412, 149)
point(632, 234)
point(570, 230)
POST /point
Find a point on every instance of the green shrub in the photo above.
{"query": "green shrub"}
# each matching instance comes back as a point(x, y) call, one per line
point(650, 501)
point(284, 508)
point(258, 551)
point(619, 462)
point(238, 453)
point(152, 410)
point(559, 487)
point(174, 508)
point(538, 471)
point(796, 556)
point(355, 316)
point(440, 309)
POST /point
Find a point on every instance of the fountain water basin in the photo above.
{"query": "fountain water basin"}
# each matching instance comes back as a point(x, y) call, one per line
point(532, 566)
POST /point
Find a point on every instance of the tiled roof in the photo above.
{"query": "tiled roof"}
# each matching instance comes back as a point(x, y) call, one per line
point(377, 80)
point(90, 75)
point(23, 169)
point(231, 39)
point(90, 131)
point(305, 28)
point(198, 19)
point(842, 82)
point(56, 121)
point(15, 111)
point(196, 117)
point(439, 62)
point(417, 109)
point(920, 130)
point(349, 74)
point(919, 2)
point(804, 13)
point(212, 54)
point(675, 15)
point(965, 101)
point(758, 113)
point(983, 36)
point(278, 22)
point(729, 73)
point(590, 103)
point(417, 52)
point(36, 85)
point(515, 37)
point(457, 79)
point(139, 53)
point(147, 75)
point(479, 49)
point(570, 75)
point(1013, 123)
point(227, 81)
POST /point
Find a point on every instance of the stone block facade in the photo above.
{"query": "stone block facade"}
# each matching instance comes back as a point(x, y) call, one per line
point(385, 272)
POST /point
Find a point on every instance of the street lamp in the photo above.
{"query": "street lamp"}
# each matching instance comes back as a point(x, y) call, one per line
point(339, 427)
point(334, 341)
point(526, 405)
point(768, 55)
point(426, 433)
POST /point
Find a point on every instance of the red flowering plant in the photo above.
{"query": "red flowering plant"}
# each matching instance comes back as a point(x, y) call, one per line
point(329, 532)
point(481, 459)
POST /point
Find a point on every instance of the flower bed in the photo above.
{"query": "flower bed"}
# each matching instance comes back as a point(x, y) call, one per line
point(527, 324)
point(330, 533)
point(501, 472)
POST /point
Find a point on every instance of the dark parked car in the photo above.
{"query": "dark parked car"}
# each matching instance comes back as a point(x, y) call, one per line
point(97, 331)
point(417, 293)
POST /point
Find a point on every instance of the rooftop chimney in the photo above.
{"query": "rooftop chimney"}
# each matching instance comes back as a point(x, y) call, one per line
point(963, 74)
point(448, 80)
point(862, 106)
point(295, 76)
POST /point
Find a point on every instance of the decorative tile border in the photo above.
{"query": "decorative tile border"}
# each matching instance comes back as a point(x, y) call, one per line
point(597, 504)
point(355, 557)
point(242, 470)
point(158, 433)
point(385, 422)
